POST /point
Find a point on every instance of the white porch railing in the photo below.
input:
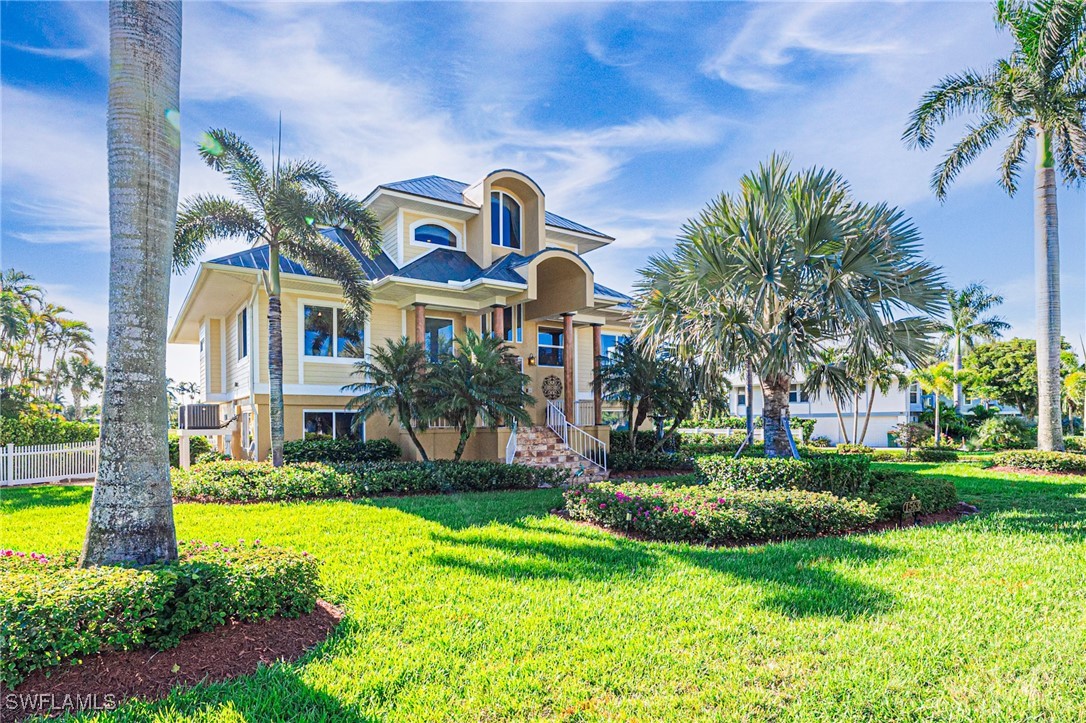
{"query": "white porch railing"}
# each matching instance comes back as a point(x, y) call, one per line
point(584, 411)
point(43, 463)
point(591, 448)
point(511, 445)
point(698, 430)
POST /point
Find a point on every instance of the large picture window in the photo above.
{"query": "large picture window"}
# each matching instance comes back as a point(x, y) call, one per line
point(328, 333)
point(243, 334)
point(550, 350)
point(505, 227)
point(336, 425)
point(439, 337)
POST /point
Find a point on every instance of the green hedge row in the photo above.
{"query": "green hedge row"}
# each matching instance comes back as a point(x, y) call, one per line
point(337, 451)
point(1043, 461)
point(703, 514)
point(845, 476)
point(26, 430)
point(51, 610)
point(890, 489)
point(260, 481)
point(854, 449)
point(637, 461)
point(934, 454)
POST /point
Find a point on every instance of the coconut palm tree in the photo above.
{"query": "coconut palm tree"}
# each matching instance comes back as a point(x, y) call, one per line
point(788, 267)
point(481, 377)
point(395, 384)
point(968, 324)
point(285, 207)
point(131, 511)
point(939, 380)
point(1037, 93)
point(84, 377)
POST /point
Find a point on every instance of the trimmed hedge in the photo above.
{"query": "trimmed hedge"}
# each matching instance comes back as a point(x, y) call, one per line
point(1043, 461)
point(51, 610)
point(934, 454)
point(1074, 444)
point(637, 461)
point(720, 423)
point(710, 515)
point(340, 451)
point(890, 489)
point(198, 448)
point(854, 449)
point(26, 430)
point(845, 475)
point(260, 481)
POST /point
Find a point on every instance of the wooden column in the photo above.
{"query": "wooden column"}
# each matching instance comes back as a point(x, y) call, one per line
point(597, 394)
point(420, 323)
point(567, 366)
point(499, 322)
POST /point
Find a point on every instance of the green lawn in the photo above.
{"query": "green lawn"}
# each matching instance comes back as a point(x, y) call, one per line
point(484, 607)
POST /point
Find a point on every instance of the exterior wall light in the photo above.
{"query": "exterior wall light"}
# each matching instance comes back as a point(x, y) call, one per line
point(531, 360)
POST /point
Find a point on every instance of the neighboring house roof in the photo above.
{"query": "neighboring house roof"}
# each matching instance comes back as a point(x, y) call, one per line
point(450, 191)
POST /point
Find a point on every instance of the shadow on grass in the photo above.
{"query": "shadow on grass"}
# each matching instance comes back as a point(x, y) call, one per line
point(796, 576)
point(464, 510)
point(21, 498)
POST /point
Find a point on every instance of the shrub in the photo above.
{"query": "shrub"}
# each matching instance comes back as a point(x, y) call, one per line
point(446, 476)
point(337, 451)
point(1074, 444)
point(30, 429)
point(911, 434)
point(854, 449)
point(806, 426)
point(999, 433)
point(820, 442)
point(242, 481)
point(1039, 460)
point(934, 454)
point(212, 456)
point(845, 475)
point(637, 461)
point(725, 422)
point(646, 440)
point(51, 610)
point(891, 489)
point(198, 446)
point(887, 455)
point(713, 516)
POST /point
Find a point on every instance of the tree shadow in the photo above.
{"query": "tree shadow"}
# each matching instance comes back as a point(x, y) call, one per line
point(465, 510)
point(14, 499)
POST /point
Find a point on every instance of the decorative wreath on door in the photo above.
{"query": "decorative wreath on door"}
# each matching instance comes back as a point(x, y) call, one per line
point(552, 387)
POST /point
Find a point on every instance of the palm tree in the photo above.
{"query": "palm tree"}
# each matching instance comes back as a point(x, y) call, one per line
point(788, 267)
point(627, 374)
point(481, 377)
point(395, 378)
point(131, 511)
point(881, 375)
point(939, 380)
point(967, 325)
point(84, 377)
point(284, 207)
point(827, 372)
point(1036, 94)
point(1074, 390)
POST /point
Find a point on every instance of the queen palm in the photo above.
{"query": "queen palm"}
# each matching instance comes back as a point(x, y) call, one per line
point(1074, 391)
point(131, 511)
point(968, 323)
point(827, 373)
point(284, 207)
point(1037, 93)
point(395, 384)
point(84, 377)
point(789, 266)
point(938, 380)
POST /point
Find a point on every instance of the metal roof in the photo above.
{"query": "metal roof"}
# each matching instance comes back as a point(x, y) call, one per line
point(450, 191)
point(258, 258)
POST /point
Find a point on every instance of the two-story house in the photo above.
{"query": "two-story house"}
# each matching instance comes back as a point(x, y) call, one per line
point(488, 256)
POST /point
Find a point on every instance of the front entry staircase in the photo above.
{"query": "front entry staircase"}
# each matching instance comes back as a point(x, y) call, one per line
point(560, 445)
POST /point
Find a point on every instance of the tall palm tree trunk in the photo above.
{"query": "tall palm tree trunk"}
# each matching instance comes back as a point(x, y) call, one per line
point(275, 357)
point(856, 417)
point(131, 513)
point(774, 409)
point(938, 426)
point(867, 415)
point(1047, 272)
point(840, 419)
point(958, 400)
point(750, 403)
point(77, 402)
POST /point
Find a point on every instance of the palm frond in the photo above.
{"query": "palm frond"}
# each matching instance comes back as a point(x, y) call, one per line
point(978, 137)
point(202, 219)
point(330, 260)
point(964, 92)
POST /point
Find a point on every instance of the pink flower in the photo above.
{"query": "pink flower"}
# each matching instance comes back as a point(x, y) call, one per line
point(603, 506)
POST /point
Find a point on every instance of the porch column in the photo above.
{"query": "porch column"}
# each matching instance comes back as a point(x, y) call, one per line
point(597, 394)
point(567, 367)
point(499, 322)
point(420, 323)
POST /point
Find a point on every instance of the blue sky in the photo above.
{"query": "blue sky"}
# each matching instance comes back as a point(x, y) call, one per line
point(630, 117)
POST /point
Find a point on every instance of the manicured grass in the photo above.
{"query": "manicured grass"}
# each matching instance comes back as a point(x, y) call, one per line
point(483, 607)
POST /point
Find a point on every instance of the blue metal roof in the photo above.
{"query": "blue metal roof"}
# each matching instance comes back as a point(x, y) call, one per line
point(442, 265)
point(258, 258)
point(450, 191)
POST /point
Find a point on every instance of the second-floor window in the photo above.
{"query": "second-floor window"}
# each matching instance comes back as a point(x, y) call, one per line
point(328, 333)
point(914, 394)
point(505, 228)
point(741, 398)
point(796, 394)
point(439, 337)
point(243, 334)
point(550, 350)
point(435, 235)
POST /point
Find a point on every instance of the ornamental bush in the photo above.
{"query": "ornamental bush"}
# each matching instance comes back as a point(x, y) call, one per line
point(198, 448)
point(891, 489)
point(637, 461)
point(243, 481)
point(999, 433)
point(1043, 461)
point(27, 429)
point(854, 449)
point(725, 422)
point(709, 515)
point(844, 475)
point(934, 454)
point(1074, 444)
point(446, 476)
point(340, 451)
point(51, 610)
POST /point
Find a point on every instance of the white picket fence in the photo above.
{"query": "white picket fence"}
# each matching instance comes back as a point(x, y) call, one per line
point(43, 463)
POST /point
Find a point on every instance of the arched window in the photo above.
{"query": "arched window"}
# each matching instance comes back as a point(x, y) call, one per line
point(431, 233)
point(505, 226)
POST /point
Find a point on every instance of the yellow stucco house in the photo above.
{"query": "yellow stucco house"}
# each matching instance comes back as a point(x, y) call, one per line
point(487, 256)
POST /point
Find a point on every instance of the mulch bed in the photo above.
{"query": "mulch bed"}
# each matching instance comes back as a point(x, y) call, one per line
point(105, 680)
point(1042, 472)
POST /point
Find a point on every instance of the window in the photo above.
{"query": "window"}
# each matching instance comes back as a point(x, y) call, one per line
point(741, 398)
point(336, 425)
point(504, 220)
point(609, 341)
point(914, 394)
point(795, 394)
point(328, 333)
point(550, 348)
point(439, 336)
point(243, 334)
point(432, 233)
point(514, 323)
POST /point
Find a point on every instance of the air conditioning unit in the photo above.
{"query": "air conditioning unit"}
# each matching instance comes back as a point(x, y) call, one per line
point(198, 416)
